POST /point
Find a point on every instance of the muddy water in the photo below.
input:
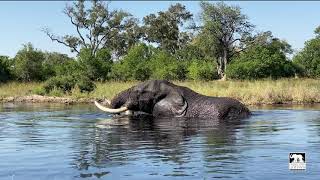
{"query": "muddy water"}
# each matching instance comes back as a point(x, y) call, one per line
point(43, 141)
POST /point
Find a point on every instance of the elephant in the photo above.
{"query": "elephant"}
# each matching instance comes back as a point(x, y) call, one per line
point(161, 98)
point(297, 158)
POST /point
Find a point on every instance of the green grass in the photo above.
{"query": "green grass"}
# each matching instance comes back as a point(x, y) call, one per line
point(18, 89)
point(297, 91)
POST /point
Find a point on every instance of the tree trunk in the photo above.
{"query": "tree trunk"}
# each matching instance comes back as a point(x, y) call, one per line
point(223, 65)
point(219, 67)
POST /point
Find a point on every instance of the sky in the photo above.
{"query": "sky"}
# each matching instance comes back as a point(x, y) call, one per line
point(22, 21)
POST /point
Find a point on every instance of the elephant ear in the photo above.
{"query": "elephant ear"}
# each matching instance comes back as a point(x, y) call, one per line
point(171, 105)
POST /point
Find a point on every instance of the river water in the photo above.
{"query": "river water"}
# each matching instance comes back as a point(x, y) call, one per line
point(50, 141)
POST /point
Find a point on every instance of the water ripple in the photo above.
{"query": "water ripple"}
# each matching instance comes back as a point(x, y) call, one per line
point(79, 142)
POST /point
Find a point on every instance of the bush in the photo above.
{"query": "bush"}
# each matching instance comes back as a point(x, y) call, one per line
point(96, 67)
point(5, 73)
point(134, 66)
point(164, 66)
point(54, 62)
point(261, 62)
point(202, 70)
point(69, 68)
point(85, 84)
point(67, 83)
point(64, 83)
point(141, 72)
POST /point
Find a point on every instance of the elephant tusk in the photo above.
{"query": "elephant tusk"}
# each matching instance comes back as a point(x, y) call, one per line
point(108, 102)
point(109, 110)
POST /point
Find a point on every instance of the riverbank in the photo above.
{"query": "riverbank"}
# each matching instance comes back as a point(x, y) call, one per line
point(283, 91)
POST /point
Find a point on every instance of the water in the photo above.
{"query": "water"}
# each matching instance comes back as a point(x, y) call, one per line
point(43, 141)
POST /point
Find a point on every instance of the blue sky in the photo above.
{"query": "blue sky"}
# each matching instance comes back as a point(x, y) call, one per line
point(21, 21)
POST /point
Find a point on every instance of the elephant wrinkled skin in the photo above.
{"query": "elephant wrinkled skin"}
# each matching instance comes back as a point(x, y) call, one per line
point(161, 98)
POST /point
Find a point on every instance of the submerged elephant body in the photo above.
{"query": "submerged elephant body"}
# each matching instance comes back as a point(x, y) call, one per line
point(161, 98)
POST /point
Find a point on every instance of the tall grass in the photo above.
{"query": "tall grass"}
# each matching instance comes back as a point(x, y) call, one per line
point(297, 91)
point(18, 89)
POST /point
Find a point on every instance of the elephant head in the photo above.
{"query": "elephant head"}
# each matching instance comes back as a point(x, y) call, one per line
point(162, 98)
point(152, 97)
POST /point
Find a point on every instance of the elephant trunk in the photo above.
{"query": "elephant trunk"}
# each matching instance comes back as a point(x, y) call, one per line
point(120, 99)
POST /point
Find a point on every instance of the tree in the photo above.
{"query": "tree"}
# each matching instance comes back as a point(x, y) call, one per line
point(165, 28)
point(266, 58)
point(98, 27)
point(165, 66)
point(224, 27)
point(134, 66)
point(5, 73)
point(28, 64)
point(201, 70)
point(317, 32)
point(95, 67)
point(53, 61)
point(309, 57)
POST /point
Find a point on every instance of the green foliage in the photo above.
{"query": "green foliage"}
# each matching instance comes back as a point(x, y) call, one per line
point(264, 61)
point(164, 29)
point(98, 27)
point(28, 64)
point(191, 51)
point(66, 83)
point(202, 70)
point(317, 32)
point(68, 73)
point(309, 59)
point(134, 66)
point(5, 73)
point(53, 63)
point(224, 28)
point(69, 68)
point(164, 66)
point(95, 67)
point(39, 90)
point(85, 84)
point(108, 48)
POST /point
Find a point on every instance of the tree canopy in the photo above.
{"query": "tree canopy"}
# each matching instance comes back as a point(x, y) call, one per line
point(223, 28)
point(114, 45)
point(308, 59)
point(98, 27)
point(165, 28)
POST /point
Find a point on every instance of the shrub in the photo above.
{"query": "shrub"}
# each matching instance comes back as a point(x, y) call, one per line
point(96, 67)
point(164, 66)
point(141, 72)
point(202, 70)
point(53, 62)
point(85, 84)
point(261, 62)
point(64, 83)
point(67, 83)
point(134, 66)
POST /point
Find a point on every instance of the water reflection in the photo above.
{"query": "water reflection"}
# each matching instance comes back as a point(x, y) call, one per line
point(119, 142)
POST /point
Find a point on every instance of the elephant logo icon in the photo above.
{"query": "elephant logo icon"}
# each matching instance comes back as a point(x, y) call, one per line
point(297, 161)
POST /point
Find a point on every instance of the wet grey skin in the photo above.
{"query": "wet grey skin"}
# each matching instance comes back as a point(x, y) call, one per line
point(161, 98)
